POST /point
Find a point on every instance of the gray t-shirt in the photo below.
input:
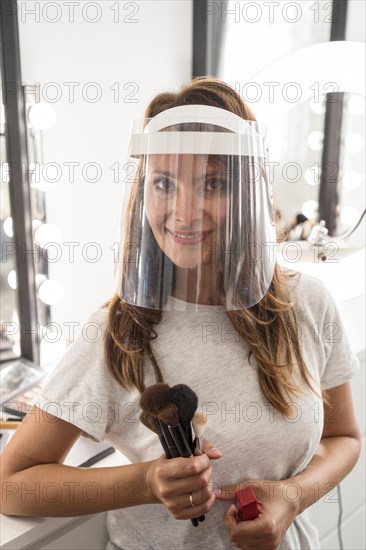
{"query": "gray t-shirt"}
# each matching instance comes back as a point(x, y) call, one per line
point(203, 350)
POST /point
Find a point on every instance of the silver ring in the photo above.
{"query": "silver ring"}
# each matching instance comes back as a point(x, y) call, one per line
point(191, 499)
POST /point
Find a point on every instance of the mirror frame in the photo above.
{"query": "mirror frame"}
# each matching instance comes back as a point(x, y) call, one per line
point(19, 187)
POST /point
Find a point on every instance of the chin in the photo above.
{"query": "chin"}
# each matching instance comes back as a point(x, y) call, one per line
point(186, 263)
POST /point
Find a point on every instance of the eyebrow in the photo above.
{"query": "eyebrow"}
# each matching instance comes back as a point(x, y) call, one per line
point(172, 174)
point(162, 172)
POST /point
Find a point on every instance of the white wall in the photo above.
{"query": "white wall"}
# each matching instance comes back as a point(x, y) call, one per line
point(154, 53)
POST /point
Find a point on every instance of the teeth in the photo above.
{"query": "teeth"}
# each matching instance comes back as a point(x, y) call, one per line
point(195, 236)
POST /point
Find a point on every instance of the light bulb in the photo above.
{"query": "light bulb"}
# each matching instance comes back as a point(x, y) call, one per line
point(8, 227)
point(352, 180)
point(39, 279)
point(42, 116)
point(12, 279)
point(356, 105)
point(5, 172)
point(51, 292)
point(47, 233)
point(349, 215)
point(36, 224)
point(318, 107)
point(312, 175)
point(2, 114)
point(315, 140)
point(353, 143)
point(310, 209)
point(48, 183)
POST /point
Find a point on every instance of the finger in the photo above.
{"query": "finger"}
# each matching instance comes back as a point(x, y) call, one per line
point(195, 511)
point(230, 517)
point(227, 493)
point(210, 450)
point(200, 482)
point(253, 528)
point(198, 497)
point(252, 534)
point(180, 468)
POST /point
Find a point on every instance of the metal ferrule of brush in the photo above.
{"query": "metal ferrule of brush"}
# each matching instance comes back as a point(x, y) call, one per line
point(180, 440)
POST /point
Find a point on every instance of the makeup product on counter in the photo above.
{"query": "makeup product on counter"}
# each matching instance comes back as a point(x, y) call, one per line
point(9, 424)
point(21, 381)
point(4, 436)
point(246, 504)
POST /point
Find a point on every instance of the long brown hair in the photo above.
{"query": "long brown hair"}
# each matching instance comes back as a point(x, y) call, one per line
point(270, 328)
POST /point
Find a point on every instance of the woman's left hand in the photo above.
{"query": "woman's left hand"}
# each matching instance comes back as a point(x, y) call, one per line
point(277, 507)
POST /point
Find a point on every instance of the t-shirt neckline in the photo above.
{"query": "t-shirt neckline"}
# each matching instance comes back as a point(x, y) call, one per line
point(176, 304)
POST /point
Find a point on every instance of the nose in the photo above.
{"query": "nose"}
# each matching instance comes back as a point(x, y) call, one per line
point(186, 206)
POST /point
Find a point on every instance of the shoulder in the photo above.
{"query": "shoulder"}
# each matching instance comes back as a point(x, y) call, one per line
point(84, 358)
point(89, 341)
point(100, 316)
point(309, 295)
point(304, 284)
point(97, 319)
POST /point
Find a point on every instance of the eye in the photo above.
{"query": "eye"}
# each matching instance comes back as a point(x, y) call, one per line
point(164, 184)
point(215, 184)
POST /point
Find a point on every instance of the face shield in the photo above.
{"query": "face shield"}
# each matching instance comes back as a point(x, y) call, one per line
point(197, 221)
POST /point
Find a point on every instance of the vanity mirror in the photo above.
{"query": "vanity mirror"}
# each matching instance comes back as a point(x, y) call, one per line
point(291, 62)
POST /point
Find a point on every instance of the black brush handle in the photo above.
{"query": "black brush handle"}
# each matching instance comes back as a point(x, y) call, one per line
point(180, 440)
point(165, 446)
point(169, 442)
point(172, 452)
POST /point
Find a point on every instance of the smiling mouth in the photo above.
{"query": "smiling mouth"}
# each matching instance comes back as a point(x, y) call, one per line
point(189, 238)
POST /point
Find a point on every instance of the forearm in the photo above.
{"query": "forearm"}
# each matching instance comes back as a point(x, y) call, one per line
point(333, 460)
point(59, 490)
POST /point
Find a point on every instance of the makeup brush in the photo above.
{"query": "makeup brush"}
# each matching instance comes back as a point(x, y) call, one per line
point(152, 400)
point(152, 423)
point(169, 416)
point(187, 401)
point(155, 397)
point(156, 402)
point(199, 423)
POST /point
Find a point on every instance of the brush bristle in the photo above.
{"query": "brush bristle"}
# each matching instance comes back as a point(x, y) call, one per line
point(169, 415)
point(150, 422)
point(199, 422)
point(186, 401)
point(155, 398)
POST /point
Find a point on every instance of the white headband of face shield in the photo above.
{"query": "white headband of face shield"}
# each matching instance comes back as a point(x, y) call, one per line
point(245, 137)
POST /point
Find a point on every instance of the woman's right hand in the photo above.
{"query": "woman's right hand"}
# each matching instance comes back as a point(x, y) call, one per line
point(172, 481)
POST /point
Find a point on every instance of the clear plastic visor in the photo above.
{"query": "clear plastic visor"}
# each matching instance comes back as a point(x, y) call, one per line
point(197, 222)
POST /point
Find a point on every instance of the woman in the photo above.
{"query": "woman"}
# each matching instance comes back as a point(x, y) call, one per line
point(196, 306)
